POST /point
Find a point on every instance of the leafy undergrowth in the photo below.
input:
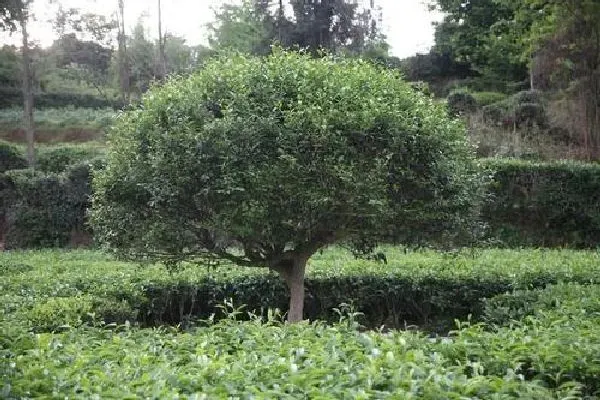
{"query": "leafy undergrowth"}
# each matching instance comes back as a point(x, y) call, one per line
point(248, 360)
point(57, 339)
point(424, 288)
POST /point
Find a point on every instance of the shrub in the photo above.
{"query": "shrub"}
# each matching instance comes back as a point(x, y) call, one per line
point(498, 114)
point(530, 114)
point(461, 102)
point(58, 159)
point(11, 158)
point(60, 312)
point(523, 109)
point(551, 354)
point(282, 156)
point(545, 204)
point(528, 97)
point(569, 299)
point(44, 210)
point(549, 335)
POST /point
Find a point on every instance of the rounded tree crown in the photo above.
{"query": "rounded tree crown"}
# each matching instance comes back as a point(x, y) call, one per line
point(281, 154)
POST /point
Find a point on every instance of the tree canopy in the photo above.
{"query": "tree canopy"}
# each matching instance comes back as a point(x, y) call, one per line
point(262, 162)
point(333, 25)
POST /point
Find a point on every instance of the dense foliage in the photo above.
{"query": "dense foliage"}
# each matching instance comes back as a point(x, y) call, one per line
point(425, 288)
point(543, 344)
point(265, 161)
point(532, 204)
point(45, 209)
point(545, 204)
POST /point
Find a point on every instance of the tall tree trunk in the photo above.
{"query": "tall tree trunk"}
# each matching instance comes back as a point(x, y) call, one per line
point(122, 52)
point(28, 94)
point(280, 23)
point(162, 61)
point(293, 275)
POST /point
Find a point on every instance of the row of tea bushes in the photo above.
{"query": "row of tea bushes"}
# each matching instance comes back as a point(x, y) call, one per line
point(427, 288)
point(536, 344)
point(529, 204)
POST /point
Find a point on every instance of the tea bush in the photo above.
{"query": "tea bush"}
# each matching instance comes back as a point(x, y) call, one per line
point(45, 210)
point(461, 102)
point(248, 360)
point(424, 287)
point(11, 157)
point(544, 204)
point(550, 353)
point(58, 159)
point(554, 339)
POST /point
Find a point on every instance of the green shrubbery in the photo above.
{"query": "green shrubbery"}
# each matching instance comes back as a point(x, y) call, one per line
point(46, 209)
point(545, 351)
point(11, 157)
point(425, 288)
point(14, 98)
point(531, 204)
point(57, 159)
point(461, 102)
point(545, 204)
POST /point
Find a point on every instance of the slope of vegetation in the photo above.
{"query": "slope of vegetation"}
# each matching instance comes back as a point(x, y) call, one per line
point(56, 125)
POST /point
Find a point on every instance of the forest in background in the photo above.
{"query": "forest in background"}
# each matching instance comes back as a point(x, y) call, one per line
point(524, 75)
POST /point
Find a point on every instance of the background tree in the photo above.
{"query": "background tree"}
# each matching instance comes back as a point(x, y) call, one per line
point(246, 28)
point(263, 162)
point(141, 59)
point(27, 84)
point(564, 45)
point(334, 25)
point(181, 58)
point(84, 48)
point(484, 35)
point(10, 14)
point(122, 59)
point(162, 39)
point(14, 14)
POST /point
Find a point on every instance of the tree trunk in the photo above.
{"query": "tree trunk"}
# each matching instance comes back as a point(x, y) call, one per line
point(122, 55)
point(162, 59)
point(280, 23)
point(293, 275)
point(28, 95)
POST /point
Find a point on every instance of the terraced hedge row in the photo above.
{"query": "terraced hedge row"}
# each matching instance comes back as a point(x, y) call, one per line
point(529, 204)
point(426, 288)
point(535, 344)
point(544, 204)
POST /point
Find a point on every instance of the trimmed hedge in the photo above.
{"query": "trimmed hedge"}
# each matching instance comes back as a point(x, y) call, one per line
point(44, 210)
point(426, 288)
point(544, 204)
point(58, 159)
point(11, 157)
point(14, 98)
point(461, 102)
point(530, 204)
point(71, 293)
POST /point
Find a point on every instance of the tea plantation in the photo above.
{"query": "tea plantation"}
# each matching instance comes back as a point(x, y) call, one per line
point(80, 325)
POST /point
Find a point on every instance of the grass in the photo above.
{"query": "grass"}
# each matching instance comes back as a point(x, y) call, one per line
point(539, 344)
